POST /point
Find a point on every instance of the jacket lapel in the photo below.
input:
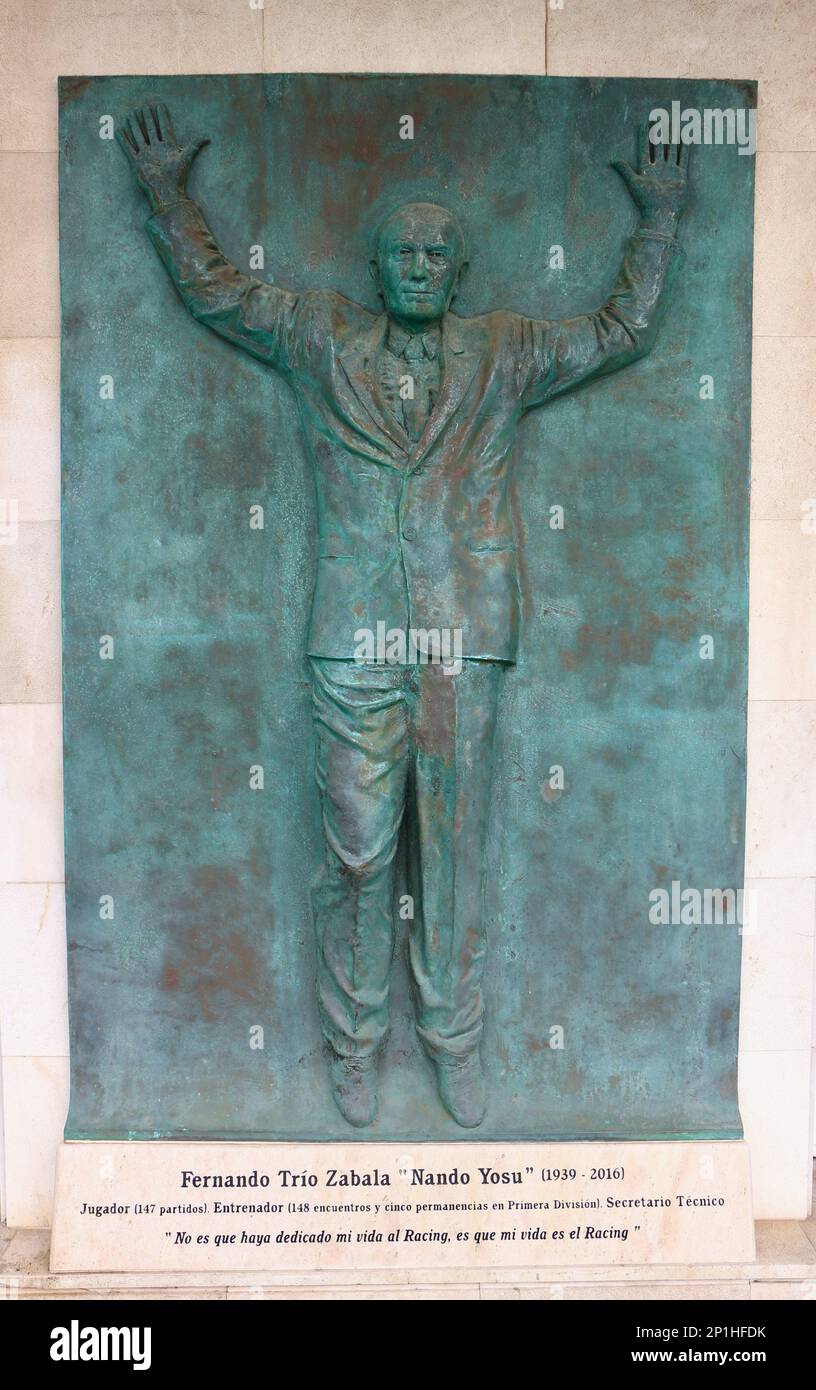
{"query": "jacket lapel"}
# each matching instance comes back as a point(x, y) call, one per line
point(358, 360)
point(459, 369)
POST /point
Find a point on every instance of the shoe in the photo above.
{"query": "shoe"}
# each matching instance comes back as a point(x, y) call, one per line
point(354, 1087)
point(462, 1089)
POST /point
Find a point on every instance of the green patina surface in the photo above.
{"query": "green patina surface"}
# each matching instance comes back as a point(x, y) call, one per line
point(212, 933)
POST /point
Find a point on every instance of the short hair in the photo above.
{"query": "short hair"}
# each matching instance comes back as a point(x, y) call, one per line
point(443, 213)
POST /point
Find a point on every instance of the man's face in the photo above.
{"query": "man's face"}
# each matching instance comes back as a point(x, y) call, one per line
point(419, 261)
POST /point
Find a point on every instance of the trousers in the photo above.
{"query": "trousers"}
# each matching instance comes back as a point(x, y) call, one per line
point(402, 744)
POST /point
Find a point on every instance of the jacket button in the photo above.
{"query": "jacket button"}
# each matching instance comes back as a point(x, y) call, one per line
point(408, 533)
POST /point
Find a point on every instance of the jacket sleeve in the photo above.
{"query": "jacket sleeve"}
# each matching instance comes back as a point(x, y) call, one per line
point(254, 315)
point(555, 355)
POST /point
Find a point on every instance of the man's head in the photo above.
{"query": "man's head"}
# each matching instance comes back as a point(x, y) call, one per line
point(418, 263)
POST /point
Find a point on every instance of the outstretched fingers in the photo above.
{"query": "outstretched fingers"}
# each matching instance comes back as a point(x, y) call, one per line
point(131, 134)
point(127, 137)
point(147, 125)
point(646, 149)
point(166, 122)
point(190, 151)
point(141, 119)
point(625, 170)
point(676, 160)
point(660, 152)
point(123, 142)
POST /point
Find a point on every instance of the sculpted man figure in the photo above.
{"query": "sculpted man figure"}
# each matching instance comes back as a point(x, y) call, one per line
point(409, 416)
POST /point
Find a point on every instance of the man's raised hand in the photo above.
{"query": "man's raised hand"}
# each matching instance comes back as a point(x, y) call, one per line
point(160, 164)
point(660, 185)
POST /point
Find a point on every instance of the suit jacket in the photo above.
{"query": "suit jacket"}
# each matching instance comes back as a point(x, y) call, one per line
point(416, 536)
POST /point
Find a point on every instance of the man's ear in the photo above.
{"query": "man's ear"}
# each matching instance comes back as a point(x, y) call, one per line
point(460, 275)
point(374, 272)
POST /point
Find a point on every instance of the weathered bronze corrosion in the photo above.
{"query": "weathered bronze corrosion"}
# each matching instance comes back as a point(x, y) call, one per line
point(409, 417)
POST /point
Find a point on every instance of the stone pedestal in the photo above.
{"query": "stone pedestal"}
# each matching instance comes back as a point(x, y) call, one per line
point(151, 1207)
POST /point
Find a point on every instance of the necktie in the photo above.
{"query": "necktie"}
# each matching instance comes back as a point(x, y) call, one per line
point(415, 411)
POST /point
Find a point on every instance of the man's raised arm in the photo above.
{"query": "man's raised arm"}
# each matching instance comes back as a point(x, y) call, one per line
point(255, 315)
point(556, 355)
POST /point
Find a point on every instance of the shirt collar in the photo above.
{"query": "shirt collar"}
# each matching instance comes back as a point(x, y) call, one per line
point(397, 340)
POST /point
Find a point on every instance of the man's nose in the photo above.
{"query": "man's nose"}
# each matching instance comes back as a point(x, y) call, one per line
point(419, 266)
